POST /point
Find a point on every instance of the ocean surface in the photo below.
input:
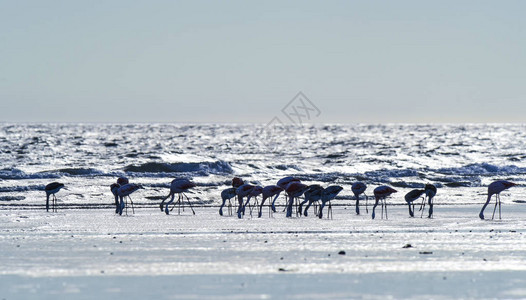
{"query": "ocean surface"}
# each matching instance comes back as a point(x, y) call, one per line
point(461, 160)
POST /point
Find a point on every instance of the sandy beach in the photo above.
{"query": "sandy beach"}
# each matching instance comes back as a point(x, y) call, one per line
point(86, 254)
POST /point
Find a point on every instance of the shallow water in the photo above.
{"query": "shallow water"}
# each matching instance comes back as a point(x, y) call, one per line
point(86, 254)
point(459, 159)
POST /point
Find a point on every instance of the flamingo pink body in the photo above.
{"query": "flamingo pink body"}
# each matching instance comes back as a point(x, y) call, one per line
point(125, 191)
point(312, 195)
point(268, 192)
point(52, 189)
point(380, 193)
point(178, 186)
point(359, 188)
point(243, 191)
point(284, 182)
point(294, 189)
point(327, 195)
point(227, 194)
point(495, 188)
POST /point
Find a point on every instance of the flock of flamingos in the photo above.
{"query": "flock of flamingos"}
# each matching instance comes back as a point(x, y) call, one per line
point(294, 189)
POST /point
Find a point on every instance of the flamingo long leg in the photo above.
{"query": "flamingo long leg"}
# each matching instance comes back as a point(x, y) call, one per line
point(189, 203)
point(385, 203)
point(500, 217)
point(382, 208)
point(430, 199)
point(272, 208)
point(423, 207)
point(175, 203)
point(131, 201)
point(496, 203)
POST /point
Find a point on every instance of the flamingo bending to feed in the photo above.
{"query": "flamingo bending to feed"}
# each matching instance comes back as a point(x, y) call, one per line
point(52, 189)
point(327, 195)
point(125, 191)
point(380, 193)
point(114, 190)
point(283, 183)
point(494, 189)
point(269, 192)
point(227, 194)
point(312, 195)
point(178, 186)
point(294, 190)
point(411, 197)
point(242, 191)
point(430, 191)
point(359, 188)
point(256, 191)
point(115, 187)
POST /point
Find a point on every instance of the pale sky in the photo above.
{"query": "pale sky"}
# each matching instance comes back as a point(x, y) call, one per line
point(243, 61)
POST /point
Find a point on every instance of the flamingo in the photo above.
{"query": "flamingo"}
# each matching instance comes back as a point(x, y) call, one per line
point(327, 195)
point(282, 183)
point(115, 187)
point(114, 190)
point(268, 192)
point(312, 195)
point(380, 193)
point(125, 191)
point(178, 186)
point(52, 189)
point(357, 189)
point(236, 183)
point(412, 196)
point(294, 189)
point(242, 191)
point(431, 191)
point(227, 194)
point(256, 191)
point(494, 189)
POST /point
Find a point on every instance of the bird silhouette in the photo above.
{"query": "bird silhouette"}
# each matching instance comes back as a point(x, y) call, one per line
point(327, 195)
point(357, 189)
point(52, 189)
point(294, 190)
point(256, 191)
point(411, 197)
point(227, 194)
point(115, 187)
point(114, 190)
point(283, 183)
point(380, 193)
point(312, 195)
point(431, 191)
point(125, 191)
point(268, 192)
point(236, 183)
point(494, 189)
point(178, 186)
point(241, 192)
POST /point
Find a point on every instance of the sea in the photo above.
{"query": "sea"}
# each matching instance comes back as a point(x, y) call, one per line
point(459, 159)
